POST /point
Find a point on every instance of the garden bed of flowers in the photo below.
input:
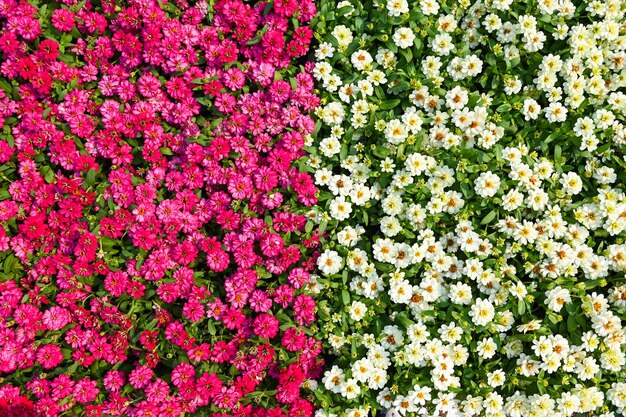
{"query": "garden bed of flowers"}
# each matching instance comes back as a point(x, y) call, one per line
point(470, 160)
point(310, 207)
point(154, 260)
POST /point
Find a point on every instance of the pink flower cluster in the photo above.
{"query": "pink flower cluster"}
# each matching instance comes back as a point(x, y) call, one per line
point(155, 254)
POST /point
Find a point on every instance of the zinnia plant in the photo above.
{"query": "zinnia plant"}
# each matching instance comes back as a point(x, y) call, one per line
point(154, 253)
point(470, 159)
point(292, 208)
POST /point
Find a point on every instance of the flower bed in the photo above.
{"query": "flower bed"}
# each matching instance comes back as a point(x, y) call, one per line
point(470, 159)
point(154, 253)
point(425, 212)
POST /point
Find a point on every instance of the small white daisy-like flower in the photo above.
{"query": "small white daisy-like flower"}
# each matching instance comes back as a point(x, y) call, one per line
point(487, 184)
point(329, 262)
point(403, 37)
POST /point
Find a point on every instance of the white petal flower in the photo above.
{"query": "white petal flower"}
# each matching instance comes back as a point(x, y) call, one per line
point(329, 262)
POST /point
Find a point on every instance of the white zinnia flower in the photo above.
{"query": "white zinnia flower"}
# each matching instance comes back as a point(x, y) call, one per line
point(396, 132)
point(456, 98)
point(486, 348)
point(403, 38)
point(361, 59)
point(392, 338)
point(442, 44)
point(362, 369)
point(329, 262)
point(531, 109)
point(429, 7)
point(340, 209)
point(333, 113)
point(512, 200)
point(392, 205)
point(330, 146)
point(572, 183)
point(557, 297)
point(358, 310)
point(350, 389)
point(487, 184)
point(482, 312)
point(333, 379)
point(401, 292)
point(556, 112)
point(324, 50)
point(378, 378)
point(343, 35)
point(397, 7)
point(496, 378)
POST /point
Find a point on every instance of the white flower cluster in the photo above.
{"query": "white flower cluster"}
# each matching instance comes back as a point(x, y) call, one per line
point(470, 164)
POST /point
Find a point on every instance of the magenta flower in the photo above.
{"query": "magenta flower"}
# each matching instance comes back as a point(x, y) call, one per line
point(149, 215)
point(49, 356)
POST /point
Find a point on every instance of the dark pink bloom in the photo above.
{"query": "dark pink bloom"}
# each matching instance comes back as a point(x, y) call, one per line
point(49, 356)
point(266, 326)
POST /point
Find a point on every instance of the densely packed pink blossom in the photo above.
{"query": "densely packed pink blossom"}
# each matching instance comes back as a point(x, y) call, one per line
point(153, 255)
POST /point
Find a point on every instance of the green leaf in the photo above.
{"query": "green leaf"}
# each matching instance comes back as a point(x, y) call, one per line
point(343, 10)
point(389, 104)
point(381, 152)
point(489, 217)
point(48, 174)
point(343, 154)
point(417, 44)
point(309, 226)
point(495, 82)
point(571, 324)
point(264, 273)
point(403, 319)
point(322, 227)
point(552, 318)
point(257, 38)
point(504, 108)
point(345, 297)
point(407, 54)
point(9, 264)
point(400, 87)
point(91, 177)
point(541, 387)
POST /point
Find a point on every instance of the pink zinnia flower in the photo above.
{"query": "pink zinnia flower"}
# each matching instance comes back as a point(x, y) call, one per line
point(49, 356)
point(259, 301)
point(293, 339)
point(298, 277)
point(183, 374)
point(85, 391)
point(303, 308)
point(240, 187)
point(266, 326)
point(140, 377)
point(193, 310)
point(227, 398)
